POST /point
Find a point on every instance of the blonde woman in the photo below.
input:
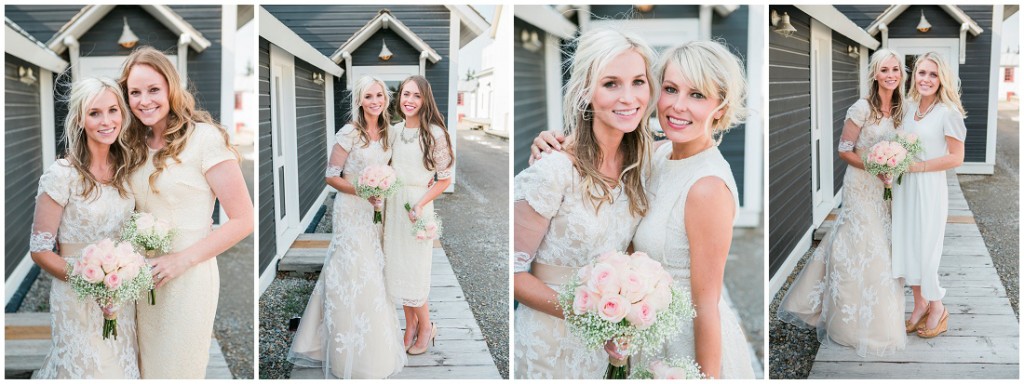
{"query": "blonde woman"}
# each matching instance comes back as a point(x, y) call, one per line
point(84, 198)
point(349, 327)
point(184, 164)
point(921, 202)
point(847, 290)
point(572, 206)
point(422, 154)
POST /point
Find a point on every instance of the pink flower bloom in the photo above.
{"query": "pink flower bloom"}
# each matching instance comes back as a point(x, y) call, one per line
point(112, 281)
point(129, 271)
point(673, 374)
point(613, 308)
point(604, 279)
point(634, 286)
point(90, 255)
point(92, 274)
point(145, 223)
point(641, 315)
point(584, 301)
point(421, 235)
point(108, 260)
point(659, 368)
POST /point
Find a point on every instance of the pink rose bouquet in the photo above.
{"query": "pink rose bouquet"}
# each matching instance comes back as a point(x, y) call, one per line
point(425, 229)
point(892, 159)
point(151, 236)
point(630, 299)
point(112, 274)
point(377, 181)
point(670, 369)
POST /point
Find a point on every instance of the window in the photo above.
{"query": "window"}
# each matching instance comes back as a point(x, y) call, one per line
point(1008, 75)
point(461, 99)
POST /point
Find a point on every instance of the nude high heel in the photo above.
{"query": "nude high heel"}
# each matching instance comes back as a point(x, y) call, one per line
point(433, 335)
point(943, 326)
point(920, 322)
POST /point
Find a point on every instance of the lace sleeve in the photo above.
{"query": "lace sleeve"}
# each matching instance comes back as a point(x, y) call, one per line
point(336, 162)
point(442, 156)
point(57, 182)
point(522, 262)
point(543, 185)
point(855, 118)
point(45, 223)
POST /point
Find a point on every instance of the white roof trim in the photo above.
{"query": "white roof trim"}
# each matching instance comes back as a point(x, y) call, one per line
point(283, 37)
point(471, 19)
point(895, 11)
point(837, 21)
point(725, 10)
point(20, 44)
point(85, 19)
point(384, 20)
point(546, 18)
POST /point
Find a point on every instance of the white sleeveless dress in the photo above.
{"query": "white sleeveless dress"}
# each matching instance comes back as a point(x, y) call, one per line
point(544, 348)
point(662, 235)
point(350, 327)
point(77, 348)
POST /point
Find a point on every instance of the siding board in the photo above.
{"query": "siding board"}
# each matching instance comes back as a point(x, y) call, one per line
point(530, 105)
point(23, 161)
point(311, 140)
point(267, 230)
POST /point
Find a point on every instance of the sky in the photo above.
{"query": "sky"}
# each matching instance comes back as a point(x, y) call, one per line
point(469, 56)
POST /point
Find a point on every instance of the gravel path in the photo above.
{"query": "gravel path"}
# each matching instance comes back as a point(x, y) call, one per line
point(284, 299)
point(791, 349)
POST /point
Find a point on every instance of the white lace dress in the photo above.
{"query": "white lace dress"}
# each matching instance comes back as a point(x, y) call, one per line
point(350, 327)
point(77, 348)
point(544, 348)
point(662, 235)
point(847, 290)
point(920, 204)
point(407, 260)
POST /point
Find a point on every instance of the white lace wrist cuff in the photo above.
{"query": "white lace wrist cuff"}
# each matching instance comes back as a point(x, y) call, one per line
point(522, 262)
point(41, 242)
point(332, 171)
point(845, 146)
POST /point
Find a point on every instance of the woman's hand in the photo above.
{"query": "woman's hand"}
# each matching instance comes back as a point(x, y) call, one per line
point(415, 212)
point(544, 143)
point(375, 202)
point(885, 178)
point(613, 350)
point(167, 267)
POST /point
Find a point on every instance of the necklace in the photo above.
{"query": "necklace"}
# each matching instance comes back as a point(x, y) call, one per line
point(920, 115)
point(409, 140)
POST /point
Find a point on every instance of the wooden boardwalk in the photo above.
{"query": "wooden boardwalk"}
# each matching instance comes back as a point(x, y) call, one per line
point(27, 340)
point(983, 337)
point(460, 353)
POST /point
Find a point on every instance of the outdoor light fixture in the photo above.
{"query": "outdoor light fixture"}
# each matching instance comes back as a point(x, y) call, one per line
point(924, 26)
point(318, 78)
point(644, 7)
point(852, 51)
point(26, 76)
point(128, 38)
point(781, 23)
point(385, 53)
point(531, 40)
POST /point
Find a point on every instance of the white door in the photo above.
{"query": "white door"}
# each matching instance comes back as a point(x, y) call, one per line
point(821, 121)
point(282, 112)
point(911, 49)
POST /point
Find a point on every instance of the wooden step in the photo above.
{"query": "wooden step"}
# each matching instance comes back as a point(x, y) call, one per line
point(308, 252)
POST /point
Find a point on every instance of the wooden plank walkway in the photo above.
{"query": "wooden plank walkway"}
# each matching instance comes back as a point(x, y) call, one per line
point(983, 337)
point(460, 353)
point(27, 340)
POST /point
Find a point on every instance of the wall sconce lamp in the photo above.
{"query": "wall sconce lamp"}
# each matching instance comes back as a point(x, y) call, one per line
point(854, 52)
point(644, 7)
point(318, 78)
point(782, 24)
point(531, 40)
point(385, 53)
point(924, 26)
point(128, 38)
point(26, 76)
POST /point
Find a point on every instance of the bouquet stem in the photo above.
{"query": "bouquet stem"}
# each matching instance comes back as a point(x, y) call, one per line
point(150, 253)
point(617, 369)
point(377, 218)
point(109, 322)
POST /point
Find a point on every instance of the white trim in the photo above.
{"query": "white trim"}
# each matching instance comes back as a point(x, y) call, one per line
point(283, 37)
point(553, 81)
point(393, 73)
point(862, 71)
point(183, 41)
point(286, 228)
point(176, 23)
point(993, 85)
point(821, 117)
point(894, 11)
point(659, 32)
point(49, 134)
point(90, 15)
point(268, 275)
point(704, 22)
point(546, 18)
point(837, 21)
point(919, 46)
point(792, 259)
point(228, 26)
point(753, 142)
point(22, 47)
point(472, 19)
point(73, 54)
point(385, 20)
point(329, 114)
point(308, 216)
point(976, 168)
point(455, 30)
point(18, 276)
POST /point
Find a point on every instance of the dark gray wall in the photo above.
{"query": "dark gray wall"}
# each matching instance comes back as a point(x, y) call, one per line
point(732, 31)
point(23, 161)
point(267, 230)
point(530, 101)
point(789, 140)
point(311, 136)
point(327, 27)
point(845, 92)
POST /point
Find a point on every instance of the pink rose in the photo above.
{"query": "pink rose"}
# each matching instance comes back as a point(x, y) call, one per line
point(659, 369)
point(129, 271)
point(912, 138)
point(145, 223)
point(584, 273)
point(108, 260)
point(660, 296)
point(613, 308)
point(421, 235)
point(112, 281)
point(90, 255)
point(125, 254)
point(634, 286)
point(161, 228)
point(604, 279)
point(641, 315)
point(92, 274)
point(673, 374)
point(584, 301)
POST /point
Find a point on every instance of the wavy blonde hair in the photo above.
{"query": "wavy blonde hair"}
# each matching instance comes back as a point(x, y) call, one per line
point(949, 85)
point(594, 50)
point(430, 115)
point(713, 70)
point(874, 100)
point(181, 119)
point(83, 93)
point(359, 119)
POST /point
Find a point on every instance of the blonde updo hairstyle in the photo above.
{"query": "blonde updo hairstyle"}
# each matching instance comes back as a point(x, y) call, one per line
point(711, 69)
point(949, 85)
point(594, 50)
point(360, 87)
point(83, 93)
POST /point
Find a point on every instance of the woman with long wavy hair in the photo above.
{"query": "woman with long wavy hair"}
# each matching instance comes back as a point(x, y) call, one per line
point(183, 163)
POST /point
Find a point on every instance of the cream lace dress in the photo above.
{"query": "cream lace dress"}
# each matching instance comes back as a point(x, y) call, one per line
point(662, 235)
point(544, 348)
point(77, 348)
point(350, 327)
point(847, 290)
point(407, 260)
point(175, 334)
point(920, 205)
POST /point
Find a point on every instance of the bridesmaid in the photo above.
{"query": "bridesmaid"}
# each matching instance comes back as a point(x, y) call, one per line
point(186, 165)
point(921, 202)
point(349, 327)
point(84, 198)
point(422, 153)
